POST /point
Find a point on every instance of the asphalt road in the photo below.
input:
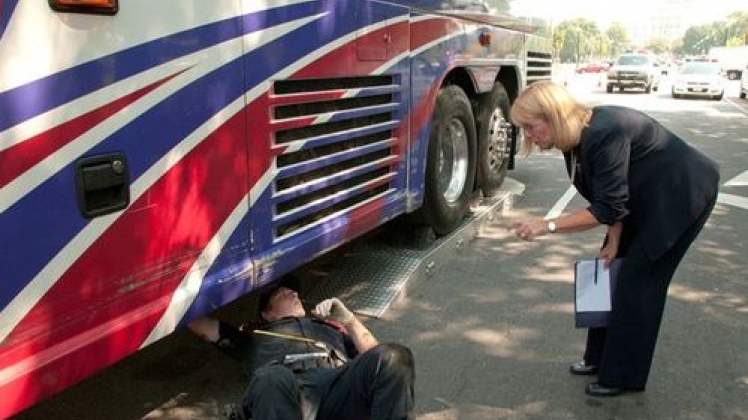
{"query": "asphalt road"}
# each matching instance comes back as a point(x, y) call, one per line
point(492, 331)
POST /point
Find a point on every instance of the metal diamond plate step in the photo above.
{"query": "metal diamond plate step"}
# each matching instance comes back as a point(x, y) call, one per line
point(370, 280)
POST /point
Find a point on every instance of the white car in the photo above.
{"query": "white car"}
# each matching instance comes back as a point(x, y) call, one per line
point(744, 83)
point(699, 79)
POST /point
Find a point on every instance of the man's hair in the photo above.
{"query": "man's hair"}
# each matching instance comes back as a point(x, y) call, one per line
point(266, 293)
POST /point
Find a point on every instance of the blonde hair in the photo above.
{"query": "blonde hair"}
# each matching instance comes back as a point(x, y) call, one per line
point(552, 103)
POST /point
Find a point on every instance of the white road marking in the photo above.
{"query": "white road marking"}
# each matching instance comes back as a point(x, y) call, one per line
point(733, 200)
point(740, 108)
point(561, 204)
point(722, 198)
point(740, 180)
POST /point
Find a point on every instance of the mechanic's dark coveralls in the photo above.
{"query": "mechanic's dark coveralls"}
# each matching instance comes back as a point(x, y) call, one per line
point(340, 385)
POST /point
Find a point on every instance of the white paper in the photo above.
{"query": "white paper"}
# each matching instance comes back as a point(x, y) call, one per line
point(592, 296)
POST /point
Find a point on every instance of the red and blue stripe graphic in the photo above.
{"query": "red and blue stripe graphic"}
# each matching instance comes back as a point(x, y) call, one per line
point(200, 159)
point(6, 11)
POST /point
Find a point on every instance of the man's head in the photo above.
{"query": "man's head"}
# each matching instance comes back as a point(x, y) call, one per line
point(280, 301)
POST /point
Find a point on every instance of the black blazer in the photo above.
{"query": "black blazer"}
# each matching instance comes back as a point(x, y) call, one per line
point(631, 168)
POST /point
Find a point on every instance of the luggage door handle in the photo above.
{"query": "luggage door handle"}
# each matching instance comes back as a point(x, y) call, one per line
point(103, 184)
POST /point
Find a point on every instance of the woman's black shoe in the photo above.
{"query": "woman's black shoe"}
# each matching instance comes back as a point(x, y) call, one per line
point(581, 368)
point(596, 389)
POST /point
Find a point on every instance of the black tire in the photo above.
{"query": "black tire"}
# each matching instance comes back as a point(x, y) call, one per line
point(494, 139)
point(449, 183)
point(609, 88)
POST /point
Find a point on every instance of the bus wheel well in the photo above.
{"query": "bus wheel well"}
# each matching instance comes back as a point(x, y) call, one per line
point(460, 77)
point(509, 78)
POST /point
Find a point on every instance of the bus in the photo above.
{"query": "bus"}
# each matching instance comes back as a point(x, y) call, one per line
point(161, 159)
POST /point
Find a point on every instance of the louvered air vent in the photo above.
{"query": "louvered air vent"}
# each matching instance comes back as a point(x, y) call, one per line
point(539, 65)
point(339, 144)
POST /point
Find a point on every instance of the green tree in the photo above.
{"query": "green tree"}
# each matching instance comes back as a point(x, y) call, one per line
point(697, 40)
point(659, 45)
point(733, 31)
point(558, 43)
point(602, 46)
point(618, 38)
point(737, 23)
point(678, 47)
point(579, 37)
point(721, 33)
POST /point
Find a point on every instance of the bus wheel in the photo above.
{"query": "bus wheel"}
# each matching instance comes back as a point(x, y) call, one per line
point(494, 138)
point(450, 165)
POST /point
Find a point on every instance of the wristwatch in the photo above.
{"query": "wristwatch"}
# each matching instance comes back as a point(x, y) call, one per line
point(552, 226)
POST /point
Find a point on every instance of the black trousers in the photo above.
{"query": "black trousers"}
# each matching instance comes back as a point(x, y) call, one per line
point(624, 350)
point(377, 384)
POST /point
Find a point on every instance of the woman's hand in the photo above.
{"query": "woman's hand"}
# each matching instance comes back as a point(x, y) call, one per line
point(610, 250)
point(608, 254)
point(530, 229)
point(576, 221)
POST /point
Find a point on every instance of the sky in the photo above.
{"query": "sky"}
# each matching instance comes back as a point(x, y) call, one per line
point(601, 12)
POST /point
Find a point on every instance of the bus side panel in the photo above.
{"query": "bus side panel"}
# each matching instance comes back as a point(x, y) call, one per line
point(159, 87)
point(328, 138)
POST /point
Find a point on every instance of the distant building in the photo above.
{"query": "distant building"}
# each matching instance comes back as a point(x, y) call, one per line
point(669, 19)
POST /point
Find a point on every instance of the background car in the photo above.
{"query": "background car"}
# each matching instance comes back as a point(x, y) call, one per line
point(593, 68)
point(640, 71)
point(702, 79)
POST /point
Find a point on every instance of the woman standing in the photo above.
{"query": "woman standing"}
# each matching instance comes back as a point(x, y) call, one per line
point(652, 190)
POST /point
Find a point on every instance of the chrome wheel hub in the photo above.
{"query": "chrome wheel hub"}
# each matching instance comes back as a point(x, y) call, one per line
point(453, 160)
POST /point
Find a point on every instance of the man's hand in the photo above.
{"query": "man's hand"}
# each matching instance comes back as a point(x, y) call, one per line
point(333, 309)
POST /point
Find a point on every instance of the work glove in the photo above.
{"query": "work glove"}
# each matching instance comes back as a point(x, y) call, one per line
point(333, 309)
